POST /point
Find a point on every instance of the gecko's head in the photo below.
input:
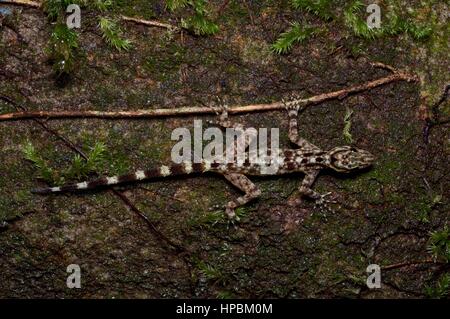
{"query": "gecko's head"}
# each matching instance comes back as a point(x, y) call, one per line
point(348, 158)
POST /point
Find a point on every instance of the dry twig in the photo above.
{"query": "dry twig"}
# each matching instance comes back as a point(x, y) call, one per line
point(25, 3)
point(435, 120)
point(151, 23)
point(410, 263)
point(340, 94)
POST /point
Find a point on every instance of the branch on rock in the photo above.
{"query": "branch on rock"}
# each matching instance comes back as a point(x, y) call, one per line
point(317, 99)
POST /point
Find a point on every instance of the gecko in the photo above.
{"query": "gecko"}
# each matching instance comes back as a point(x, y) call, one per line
point(306, 158)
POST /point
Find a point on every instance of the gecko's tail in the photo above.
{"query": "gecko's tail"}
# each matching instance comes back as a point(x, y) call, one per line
point(162, 171)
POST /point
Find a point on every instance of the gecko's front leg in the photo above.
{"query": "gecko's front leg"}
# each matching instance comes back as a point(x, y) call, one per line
point(244, 184)
point(244, 137)
point(293, 109)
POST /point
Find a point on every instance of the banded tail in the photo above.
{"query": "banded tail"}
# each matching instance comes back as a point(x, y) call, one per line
point(172, 170)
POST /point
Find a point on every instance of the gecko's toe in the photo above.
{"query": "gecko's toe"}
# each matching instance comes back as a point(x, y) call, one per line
point(323, 202)
point(230, 211)
point(324, 199)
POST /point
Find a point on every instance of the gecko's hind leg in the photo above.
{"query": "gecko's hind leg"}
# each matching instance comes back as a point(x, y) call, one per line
point(241, 138)
point(305, 189)
point(244, 184)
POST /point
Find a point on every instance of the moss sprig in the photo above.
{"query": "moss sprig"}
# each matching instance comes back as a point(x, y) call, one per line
point(113, 35)
point(199, 22)
point(296, 34)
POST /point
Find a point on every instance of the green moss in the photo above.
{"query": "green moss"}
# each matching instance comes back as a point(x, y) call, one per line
point(113, 35)
point(98, 161)
point(320, 8)
point(296, 34)
point(62, 49)
point(198, 22)
point(56, 8)
point(116, 160)
point(210, 272)
point(439, 244)
point(347, 126)
point(423, 206)
point(441, 289)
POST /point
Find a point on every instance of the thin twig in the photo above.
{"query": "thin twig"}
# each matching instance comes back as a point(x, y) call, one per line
point(383, 66)
point(26, 3)
point(410, 263)
point(435, 119)
point(151, 23)
point(340, 94)
point(150, 225)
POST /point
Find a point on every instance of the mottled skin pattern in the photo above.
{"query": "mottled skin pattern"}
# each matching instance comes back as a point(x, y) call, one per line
point(306, 158)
